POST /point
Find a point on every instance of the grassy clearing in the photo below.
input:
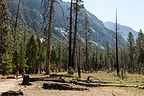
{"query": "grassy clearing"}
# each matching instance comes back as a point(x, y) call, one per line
point(131, 79)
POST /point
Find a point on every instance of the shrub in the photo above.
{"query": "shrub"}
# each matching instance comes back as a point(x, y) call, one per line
point(122, 73)
point(70, 71)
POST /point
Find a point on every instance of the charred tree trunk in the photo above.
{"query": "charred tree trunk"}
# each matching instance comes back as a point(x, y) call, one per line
point(49, 37)
point(117, 62)
point(70, 36)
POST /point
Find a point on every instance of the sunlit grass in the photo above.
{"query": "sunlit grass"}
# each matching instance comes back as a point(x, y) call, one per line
point(131, 79)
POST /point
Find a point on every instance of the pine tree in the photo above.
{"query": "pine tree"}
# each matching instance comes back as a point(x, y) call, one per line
point(24, 36)
point(131, 50)
point(40, 56)
point(31, 54)
point(70, 35)
point(77, 7)
point(5, 50)
point(53, 58)
point(87, 37)
point(48, 6)
point(139, 51)
point(107, 49)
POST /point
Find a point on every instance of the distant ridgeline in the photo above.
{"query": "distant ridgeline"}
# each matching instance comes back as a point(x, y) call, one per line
point(123, 30)
point(31, 13)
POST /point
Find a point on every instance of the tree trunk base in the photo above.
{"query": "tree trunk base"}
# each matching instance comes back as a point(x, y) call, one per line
point(26, 80)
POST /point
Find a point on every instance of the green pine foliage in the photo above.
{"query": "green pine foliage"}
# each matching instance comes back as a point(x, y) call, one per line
point(41, 56)
point(5, 50)
point(131, 51)
point(31, 54)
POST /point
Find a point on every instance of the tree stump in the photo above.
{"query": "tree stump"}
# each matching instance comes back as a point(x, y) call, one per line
point(26, 80)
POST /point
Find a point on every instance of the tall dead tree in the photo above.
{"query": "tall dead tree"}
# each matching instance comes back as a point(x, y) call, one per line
point(117, 62)
point(49, 37)
point(70, 35)
point(46, 4)
point(75, 36)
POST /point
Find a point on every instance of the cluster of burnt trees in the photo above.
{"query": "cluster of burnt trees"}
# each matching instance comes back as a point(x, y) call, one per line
point(26, 52)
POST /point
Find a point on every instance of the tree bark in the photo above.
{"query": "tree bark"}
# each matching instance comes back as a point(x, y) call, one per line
point(78, 65)
point(75, 36)
point(117, 62)
point(49, 37)
point(70, 36)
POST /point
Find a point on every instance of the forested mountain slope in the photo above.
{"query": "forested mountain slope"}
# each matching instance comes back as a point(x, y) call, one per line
point(31, 13)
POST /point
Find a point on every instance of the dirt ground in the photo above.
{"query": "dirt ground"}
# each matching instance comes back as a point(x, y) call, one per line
point(36, 90)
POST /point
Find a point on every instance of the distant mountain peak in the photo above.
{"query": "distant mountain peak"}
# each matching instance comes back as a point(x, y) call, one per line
point(122, 29)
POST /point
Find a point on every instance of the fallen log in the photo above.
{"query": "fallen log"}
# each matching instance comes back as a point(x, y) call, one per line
point(88, 78)
point(62, 86)
point(102, 85)
point(12, 93)
point(36, 79)
point(11, 77)
point(60, 79)
point(141, 87)
point(96, 81)
point(57, 75)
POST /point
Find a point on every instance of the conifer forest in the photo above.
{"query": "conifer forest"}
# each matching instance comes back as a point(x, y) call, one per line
point(47, 46)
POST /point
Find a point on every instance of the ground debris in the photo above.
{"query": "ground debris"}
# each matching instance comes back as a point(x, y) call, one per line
point(62, 86)
point(12, 93)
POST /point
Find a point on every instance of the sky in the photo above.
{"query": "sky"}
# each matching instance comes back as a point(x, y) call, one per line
point(130, 12)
